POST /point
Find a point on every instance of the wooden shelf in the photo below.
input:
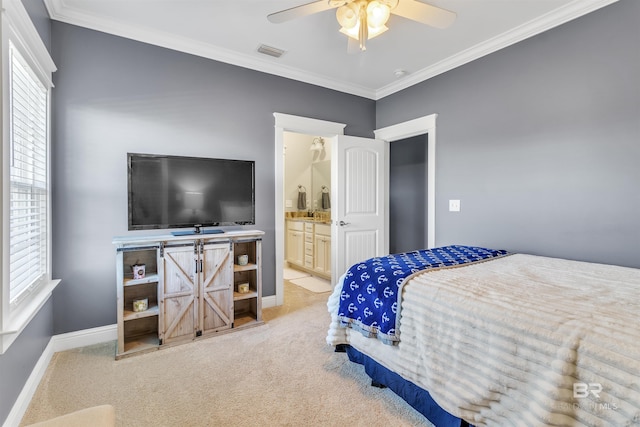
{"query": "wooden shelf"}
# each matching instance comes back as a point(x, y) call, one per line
point(248, 267)
point(132, 315)
point(151, 278)
point(237, 296)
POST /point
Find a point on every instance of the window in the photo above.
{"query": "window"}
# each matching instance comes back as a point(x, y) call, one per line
point(26, 257)
point(28, 228)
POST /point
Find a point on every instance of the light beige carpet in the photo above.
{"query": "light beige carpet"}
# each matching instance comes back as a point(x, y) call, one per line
point(313, 284)
point(278, 374)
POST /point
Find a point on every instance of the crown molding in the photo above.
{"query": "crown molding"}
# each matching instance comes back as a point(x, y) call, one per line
point(573, 10)
point(59, 11)
point(24, 33)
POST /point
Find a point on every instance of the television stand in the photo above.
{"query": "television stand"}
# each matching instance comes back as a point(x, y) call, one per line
point(174, 299)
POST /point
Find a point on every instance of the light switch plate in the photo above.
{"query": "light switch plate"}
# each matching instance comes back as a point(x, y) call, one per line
point(454, 205)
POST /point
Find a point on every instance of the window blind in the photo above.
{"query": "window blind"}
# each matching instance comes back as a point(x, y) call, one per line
point(28, 211)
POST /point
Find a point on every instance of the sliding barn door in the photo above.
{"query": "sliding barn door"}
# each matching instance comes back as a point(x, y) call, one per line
point(216, 296)
point(178, 301)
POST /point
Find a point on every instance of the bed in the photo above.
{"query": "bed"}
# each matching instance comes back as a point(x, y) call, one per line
point(486, 337)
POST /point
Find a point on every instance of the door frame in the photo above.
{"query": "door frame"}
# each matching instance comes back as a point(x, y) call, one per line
point(304, 125)
point(420, 126)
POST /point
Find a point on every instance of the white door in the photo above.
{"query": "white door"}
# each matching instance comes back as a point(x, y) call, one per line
point(359, 210)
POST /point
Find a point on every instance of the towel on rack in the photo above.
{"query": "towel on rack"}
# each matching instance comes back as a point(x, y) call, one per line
point(325, 202)
point(302, 200)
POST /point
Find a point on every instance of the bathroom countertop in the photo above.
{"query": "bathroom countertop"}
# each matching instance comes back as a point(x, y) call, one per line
point(309, 219)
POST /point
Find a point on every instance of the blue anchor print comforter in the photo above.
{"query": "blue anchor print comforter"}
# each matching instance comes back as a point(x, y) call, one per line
point(371, 290)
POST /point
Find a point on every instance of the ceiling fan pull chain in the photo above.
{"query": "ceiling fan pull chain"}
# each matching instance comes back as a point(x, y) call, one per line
point(363, 34)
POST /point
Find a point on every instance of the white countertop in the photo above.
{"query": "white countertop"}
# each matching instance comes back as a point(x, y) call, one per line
point(153, 238)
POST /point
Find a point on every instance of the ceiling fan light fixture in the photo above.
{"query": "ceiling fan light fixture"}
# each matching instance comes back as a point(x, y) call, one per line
point(347, 15)
point(391, 4)
point(377, 14)
point(373, 32)
point(364, 19)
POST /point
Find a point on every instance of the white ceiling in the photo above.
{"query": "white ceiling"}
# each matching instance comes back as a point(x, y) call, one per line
point(315, 52)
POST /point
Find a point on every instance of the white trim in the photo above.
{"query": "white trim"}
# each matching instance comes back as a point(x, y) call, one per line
point(407, 129)
point(18, 28)
point(269, 301)
point(19, 318)
point(419, 126)
point(59, 11)
point(308, 126)
point(26, 37)
point(288, 123)
point(85, 337)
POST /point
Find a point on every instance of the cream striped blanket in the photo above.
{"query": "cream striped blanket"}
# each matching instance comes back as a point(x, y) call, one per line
point(521, 340)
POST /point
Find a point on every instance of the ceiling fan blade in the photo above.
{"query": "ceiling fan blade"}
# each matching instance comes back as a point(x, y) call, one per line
point(424, 13)
point(300, 11)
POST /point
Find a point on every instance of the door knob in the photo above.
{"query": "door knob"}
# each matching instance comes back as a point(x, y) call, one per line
point(342, 223)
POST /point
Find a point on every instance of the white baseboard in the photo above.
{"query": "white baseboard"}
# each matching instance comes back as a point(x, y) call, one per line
point(84, 338)
point(24, 398)
point(269, 301)
point(57, 343)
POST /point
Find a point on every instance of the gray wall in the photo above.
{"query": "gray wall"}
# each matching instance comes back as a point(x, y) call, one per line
point(40, 18)
point(540, 141)
point(114, 96)
point(18, 362)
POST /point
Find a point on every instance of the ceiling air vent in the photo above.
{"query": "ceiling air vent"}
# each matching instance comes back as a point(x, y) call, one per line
point(270, 50)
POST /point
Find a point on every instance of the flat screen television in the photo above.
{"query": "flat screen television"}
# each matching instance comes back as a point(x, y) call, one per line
point(181, 192)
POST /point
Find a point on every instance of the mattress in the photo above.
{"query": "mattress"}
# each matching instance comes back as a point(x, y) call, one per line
point(518, 340)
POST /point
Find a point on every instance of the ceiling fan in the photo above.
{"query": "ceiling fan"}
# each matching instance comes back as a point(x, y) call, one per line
point(364, 19)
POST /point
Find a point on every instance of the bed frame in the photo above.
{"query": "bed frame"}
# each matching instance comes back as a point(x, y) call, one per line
point(418, 398)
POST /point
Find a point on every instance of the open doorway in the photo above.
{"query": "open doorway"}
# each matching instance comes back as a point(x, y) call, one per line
point(407, 198)
point(307, 209)
point(302, 125)
point(425, 127)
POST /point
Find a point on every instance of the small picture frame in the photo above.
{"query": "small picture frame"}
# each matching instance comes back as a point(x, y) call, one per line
point(138, 271)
